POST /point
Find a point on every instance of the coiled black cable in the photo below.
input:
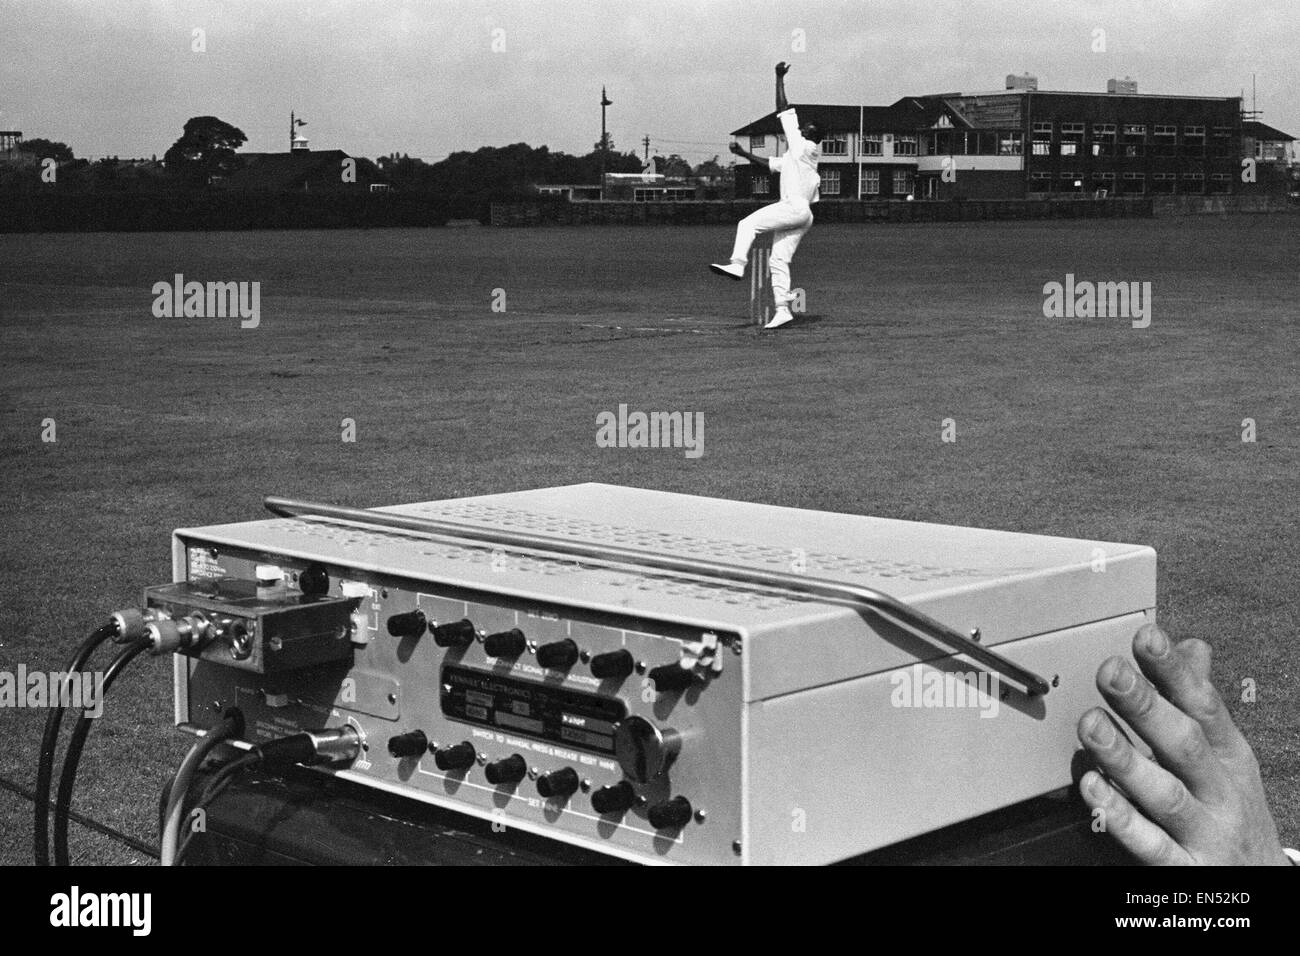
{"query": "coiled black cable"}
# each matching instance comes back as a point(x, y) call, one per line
point(71, 760)
point(50, 743)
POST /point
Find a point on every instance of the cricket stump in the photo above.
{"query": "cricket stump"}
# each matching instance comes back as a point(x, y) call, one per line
point(762, 305)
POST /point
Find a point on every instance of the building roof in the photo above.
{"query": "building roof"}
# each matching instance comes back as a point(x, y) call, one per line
point(284, 172)
point(907, 113)
point(1258, 130)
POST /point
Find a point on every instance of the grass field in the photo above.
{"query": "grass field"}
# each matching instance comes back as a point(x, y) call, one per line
point(1075, 427)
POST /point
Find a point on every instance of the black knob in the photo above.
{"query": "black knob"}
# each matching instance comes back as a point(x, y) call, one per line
point(672, 677)
point(671, 814)
point(558, 783)
point(561, 655)
point(509, 643)
point(510, 770)
point(456, 634)
point(410, 744)
point(615, 665)
point(314, 581)
point(616, 799)
point(458, 757)
point(410, 624)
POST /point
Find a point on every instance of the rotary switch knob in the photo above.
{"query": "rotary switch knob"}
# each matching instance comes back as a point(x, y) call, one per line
point(669, 677)
point(456, 634)
point(643, 750)
point(511, 769)
point(671, 814)
point(560, 655)
point(509, 643)
point(616, 799)
point(559, 783)
point(458, 757)
point(410, 744)
point(614, 665)
point(410, 624)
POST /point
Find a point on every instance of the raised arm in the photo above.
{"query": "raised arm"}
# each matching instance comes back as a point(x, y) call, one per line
point(781, 103)
point(739, 150)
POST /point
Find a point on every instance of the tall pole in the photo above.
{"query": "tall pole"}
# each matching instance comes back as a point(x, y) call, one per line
point(292, 127)
point(604, 138)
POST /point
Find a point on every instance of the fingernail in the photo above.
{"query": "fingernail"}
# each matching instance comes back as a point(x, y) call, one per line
point(1101, 731)
point(1123, 679)
point(1157, 643)
point(1098, 787)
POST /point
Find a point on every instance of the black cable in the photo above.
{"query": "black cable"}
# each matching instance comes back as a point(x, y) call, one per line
point(90, 823)
point(50, 742)
point(68, 779)
point(215, 786)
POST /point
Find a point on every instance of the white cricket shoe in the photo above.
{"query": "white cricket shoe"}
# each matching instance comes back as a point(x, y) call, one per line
point(732, 270)
point(780, 318)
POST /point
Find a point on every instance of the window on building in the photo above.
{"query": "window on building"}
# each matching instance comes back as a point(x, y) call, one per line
point(1193, 182)
point(871, 144)
point(869, 185)
point(1222, 146)
point(830, 182)
point(1040, 182)
point(1043, 128)
point(1135, 182)
point(761, 185)
point(1193, 132)
point(1069, 149)
point(758, 142)
point(1163, 182)
point(1137, 131)
point(1072, 129)
point(1011, 144)
point(836, 144)
point(1103, 132)
point(904, 145)
point(1221, 183)
point(903, 182)
point(1168, 131)
point(1042, 147)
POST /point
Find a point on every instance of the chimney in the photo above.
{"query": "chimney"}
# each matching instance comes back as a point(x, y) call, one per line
point(1126, 85)
point(1024, 81)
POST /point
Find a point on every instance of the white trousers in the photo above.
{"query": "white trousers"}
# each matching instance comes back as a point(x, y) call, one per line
point(787, 222)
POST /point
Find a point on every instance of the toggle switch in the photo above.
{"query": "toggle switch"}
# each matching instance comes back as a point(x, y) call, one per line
point(509, 643)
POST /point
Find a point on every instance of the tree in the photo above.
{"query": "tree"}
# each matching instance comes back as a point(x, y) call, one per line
point(206, 148)
point(677, 168)
point(47, 149)
point(710, 169)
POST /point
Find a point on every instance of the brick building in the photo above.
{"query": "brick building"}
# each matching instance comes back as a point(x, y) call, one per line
point(1021, 142)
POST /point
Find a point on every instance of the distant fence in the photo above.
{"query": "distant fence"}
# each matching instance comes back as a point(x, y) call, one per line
point(57, 210)
point(720, 213)
point(1209, 205)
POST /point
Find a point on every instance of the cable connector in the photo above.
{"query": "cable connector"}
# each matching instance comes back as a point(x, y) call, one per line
point(132, 623)
point(335, 745)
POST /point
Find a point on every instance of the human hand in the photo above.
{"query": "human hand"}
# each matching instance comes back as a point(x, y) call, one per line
point(1201, 800)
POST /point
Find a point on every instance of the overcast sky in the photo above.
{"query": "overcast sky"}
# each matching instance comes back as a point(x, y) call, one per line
point(118, 77)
